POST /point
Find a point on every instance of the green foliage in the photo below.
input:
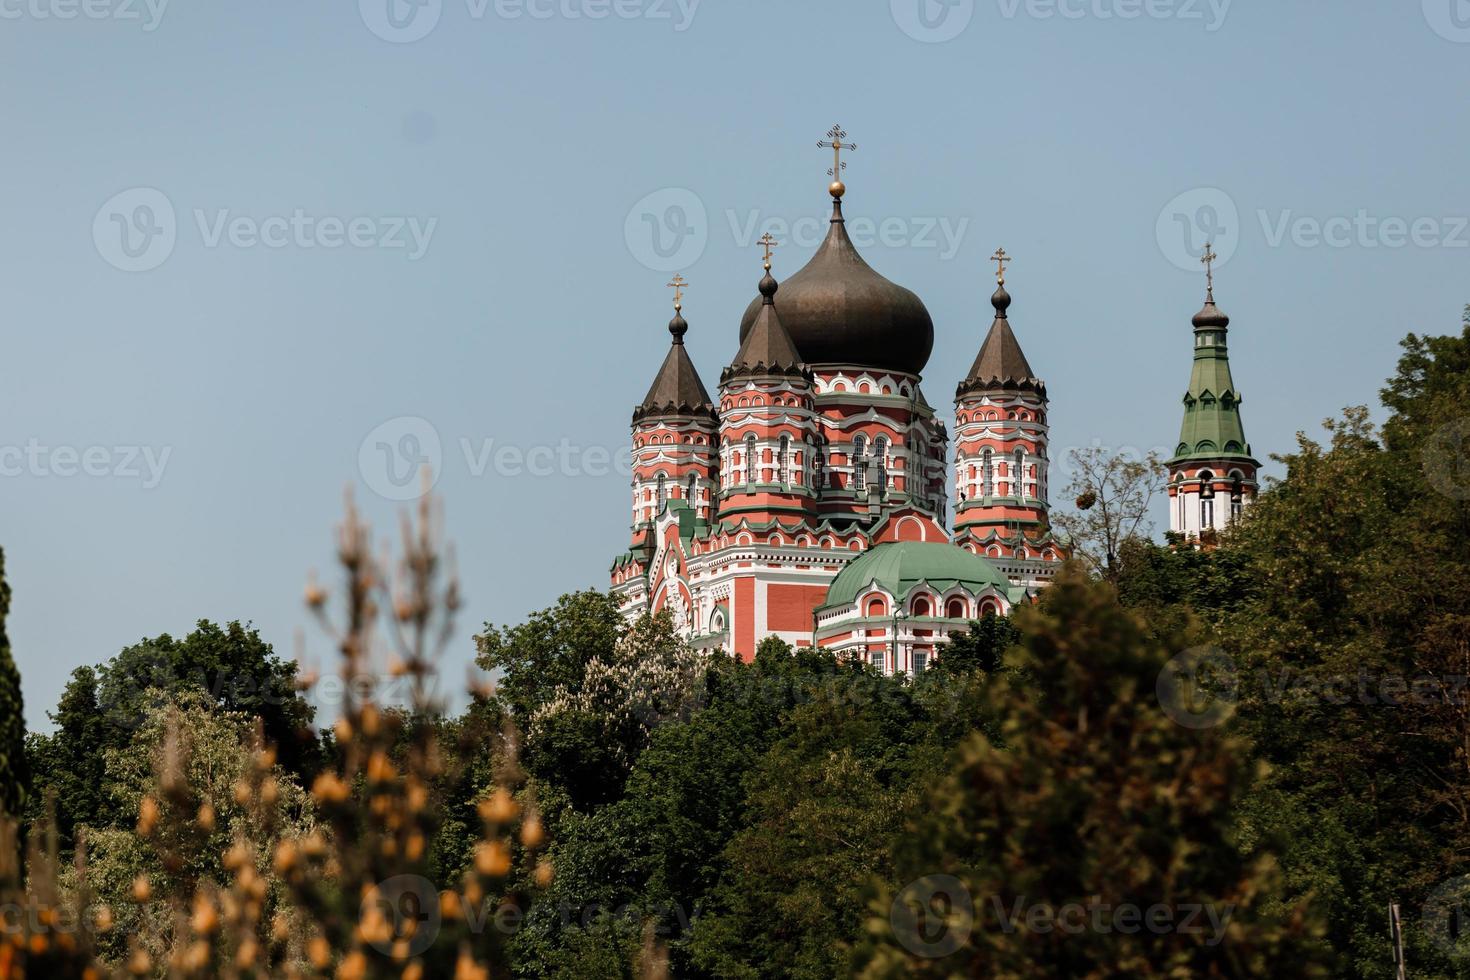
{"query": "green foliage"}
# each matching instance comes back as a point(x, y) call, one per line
point(101, 711)
point(1096, 797)
point(14, 774)
point(551, 650)
point(981, 648)
point(1361, 555)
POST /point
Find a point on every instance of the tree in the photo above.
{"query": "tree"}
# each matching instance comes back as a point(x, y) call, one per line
point(1094, 837)
point(1113, 493)
point(14, 775)
point(1353, 652)
point(550, 651)
point(981, 647)
point(100, 710)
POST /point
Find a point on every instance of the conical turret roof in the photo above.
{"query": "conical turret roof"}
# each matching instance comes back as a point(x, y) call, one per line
point(677, 389)
point(767, 347)
point(1001, 364)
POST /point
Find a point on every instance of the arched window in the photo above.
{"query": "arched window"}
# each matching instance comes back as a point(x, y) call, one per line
point(1237, 496)
point(987, 487)
point(1019, 490)
point(876, 606)
point(783, 474)
point(859, 463)
point(662, 493)
point(880, 464)
point(750, 461)
point(818, 463)
point(921, 606)
point(956, 609)
point(693, 489)
point(1206, 500)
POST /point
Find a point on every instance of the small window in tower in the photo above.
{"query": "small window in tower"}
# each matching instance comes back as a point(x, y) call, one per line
point(784, 475)
point(1020, 475)
point(662, 491)
point(693, 489)
point(750, 461)
point(880, 462)
point(988, 465)
point(859, 463)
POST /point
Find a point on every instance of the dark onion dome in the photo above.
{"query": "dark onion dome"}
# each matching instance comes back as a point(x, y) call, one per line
point(839, 311)
point(1001, 364)
point(767, 348)
point(677, 389)
point(1211, 317)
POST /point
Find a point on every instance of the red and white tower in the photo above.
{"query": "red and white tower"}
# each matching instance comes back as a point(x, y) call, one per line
point(674, 454)
point(768, 435)
point(1001, 454)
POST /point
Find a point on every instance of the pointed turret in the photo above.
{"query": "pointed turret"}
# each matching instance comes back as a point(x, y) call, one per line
point(1001, 459)
point(677, 388)
point(1213, 459)
point(767, 348)
point(1001, 362)
point(674, 431)
point(768, 426)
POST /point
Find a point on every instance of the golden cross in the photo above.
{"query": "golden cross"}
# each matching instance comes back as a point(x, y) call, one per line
point(836, 134)
point(678, 286)
point(1000, 258)
point(767, 242)
point(1208, 261)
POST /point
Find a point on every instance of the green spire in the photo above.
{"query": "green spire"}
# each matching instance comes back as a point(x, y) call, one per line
point(1212, 428)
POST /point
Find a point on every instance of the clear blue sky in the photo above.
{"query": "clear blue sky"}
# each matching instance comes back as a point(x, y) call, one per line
point(521, 146)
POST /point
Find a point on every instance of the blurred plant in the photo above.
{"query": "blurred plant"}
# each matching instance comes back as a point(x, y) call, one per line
point(352, 898)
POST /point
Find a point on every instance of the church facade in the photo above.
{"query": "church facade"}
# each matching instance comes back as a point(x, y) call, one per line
point(809, 499)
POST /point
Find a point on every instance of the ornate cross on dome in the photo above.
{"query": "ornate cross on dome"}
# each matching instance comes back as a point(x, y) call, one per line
point(767, 242)
point(1208, 261)
point(678, 291)
point(836, 135)
point(1000, 258)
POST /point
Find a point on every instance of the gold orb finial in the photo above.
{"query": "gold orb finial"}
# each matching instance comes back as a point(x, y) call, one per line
point(838, 189)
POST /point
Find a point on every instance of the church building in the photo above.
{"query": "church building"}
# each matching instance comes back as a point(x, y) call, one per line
point(807, 498)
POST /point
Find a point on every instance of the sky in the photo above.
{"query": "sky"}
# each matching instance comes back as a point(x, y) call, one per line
point(252, 254)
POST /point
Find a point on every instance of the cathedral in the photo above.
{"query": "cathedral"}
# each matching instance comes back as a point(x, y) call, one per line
point(809, 498)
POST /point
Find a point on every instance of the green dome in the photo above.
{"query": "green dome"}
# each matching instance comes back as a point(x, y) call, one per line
point(900, 565)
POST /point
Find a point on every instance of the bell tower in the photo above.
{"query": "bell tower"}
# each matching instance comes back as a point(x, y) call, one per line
point(1212, 475)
